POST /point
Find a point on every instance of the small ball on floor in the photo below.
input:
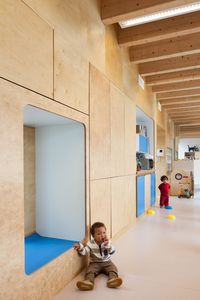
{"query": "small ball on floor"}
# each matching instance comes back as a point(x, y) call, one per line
point(150, 212)
point(168, 207)
point(171, 217)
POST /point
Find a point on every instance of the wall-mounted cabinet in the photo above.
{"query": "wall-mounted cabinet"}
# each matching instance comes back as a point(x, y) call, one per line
point(146, 192)
point(144, 141)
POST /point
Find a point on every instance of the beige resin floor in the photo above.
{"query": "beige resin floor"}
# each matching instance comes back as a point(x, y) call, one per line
point(158, 259)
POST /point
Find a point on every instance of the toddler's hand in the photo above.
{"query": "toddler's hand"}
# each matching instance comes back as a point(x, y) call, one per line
point(77, 246)
point(106, 241)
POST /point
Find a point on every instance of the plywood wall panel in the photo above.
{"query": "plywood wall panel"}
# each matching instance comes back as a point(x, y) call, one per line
point(100, 201)
point(48, 280)
point(117, 132)
point(130, 143)
point(26, 46)
point(99, 125)
point(29, 180)
point(71, 76)
point(79, 23)
point(123, 202)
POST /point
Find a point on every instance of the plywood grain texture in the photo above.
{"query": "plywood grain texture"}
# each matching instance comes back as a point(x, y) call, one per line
point(71, 76)
point(123, 202)
point(79, 23)
point(117, 132)
point(26, 46)
point(130, 143)
point(99, 125)
point(29, 180)
point(48, 280)
point(100, 199)
point(113, 58)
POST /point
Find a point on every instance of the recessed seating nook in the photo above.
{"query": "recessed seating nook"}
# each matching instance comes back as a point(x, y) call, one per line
point(54, 185)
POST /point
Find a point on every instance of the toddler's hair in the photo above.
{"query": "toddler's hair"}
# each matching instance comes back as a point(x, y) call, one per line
point(163, 178)
point(96, 225)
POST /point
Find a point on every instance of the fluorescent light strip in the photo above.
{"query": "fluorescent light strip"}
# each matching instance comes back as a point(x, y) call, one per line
point(161, 15)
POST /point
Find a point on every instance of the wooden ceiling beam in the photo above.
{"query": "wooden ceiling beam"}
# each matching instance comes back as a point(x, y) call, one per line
point(177, 121)
point(165, 102)
point(178, 94)
point(177, 86)
point(159, 30)
point(171, 108)
point(183, 105)
point(189, 128)
point(195, 128)
point(172, 77)
point(195, 123)
point(192, 128)
point(186, 62)
point(189, 135)
point(169, 48)
point(183, 112)
point(114, 11)
point(191, 118)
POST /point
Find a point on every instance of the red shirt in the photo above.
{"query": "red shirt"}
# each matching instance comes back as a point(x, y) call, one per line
point(164, 189)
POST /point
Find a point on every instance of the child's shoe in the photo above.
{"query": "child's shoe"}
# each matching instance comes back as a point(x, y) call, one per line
point(85, 285)
point(114, 282)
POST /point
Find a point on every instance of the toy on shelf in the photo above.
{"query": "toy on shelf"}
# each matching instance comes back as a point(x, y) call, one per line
point(184, 193)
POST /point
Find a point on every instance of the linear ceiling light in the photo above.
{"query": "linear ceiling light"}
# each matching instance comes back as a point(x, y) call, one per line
point(163, 14)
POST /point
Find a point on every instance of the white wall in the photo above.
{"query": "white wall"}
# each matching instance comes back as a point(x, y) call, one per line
point(197, 172)
point(183, 146)
point(60, 181)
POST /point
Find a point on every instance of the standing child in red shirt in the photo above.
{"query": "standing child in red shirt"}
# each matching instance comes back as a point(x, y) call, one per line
point(164, 188)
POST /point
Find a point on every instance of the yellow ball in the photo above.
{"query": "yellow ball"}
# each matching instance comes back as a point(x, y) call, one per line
point(150, 212)
point(171, 217)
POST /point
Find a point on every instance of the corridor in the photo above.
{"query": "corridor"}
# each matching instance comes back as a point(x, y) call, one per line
point(158, 259)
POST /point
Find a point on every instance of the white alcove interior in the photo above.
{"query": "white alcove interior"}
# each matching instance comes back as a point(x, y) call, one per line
point(60, 174)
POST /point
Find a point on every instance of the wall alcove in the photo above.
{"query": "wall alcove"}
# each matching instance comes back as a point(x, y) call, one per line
point(54, 185)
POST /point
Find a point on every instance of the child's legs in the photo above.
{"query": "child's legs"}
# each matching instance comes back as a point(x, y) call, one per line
point(162, 200)
point(110, 269)
point(166, 201)
point(92, 271)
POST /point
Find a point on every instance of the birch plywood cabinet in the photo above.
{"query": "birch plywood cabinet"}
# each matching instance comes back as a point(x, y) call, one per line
point(26, 46)
point(99, 125)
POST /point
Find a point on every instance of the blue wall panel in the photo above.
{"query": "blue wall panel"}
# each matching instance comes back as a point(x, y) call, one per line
point(140, 195)
point(143, 144)
point(153, 188)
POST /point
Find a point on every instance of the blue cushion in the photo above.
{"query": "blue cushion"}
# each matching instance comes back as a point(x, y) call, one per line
point(40, 250)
